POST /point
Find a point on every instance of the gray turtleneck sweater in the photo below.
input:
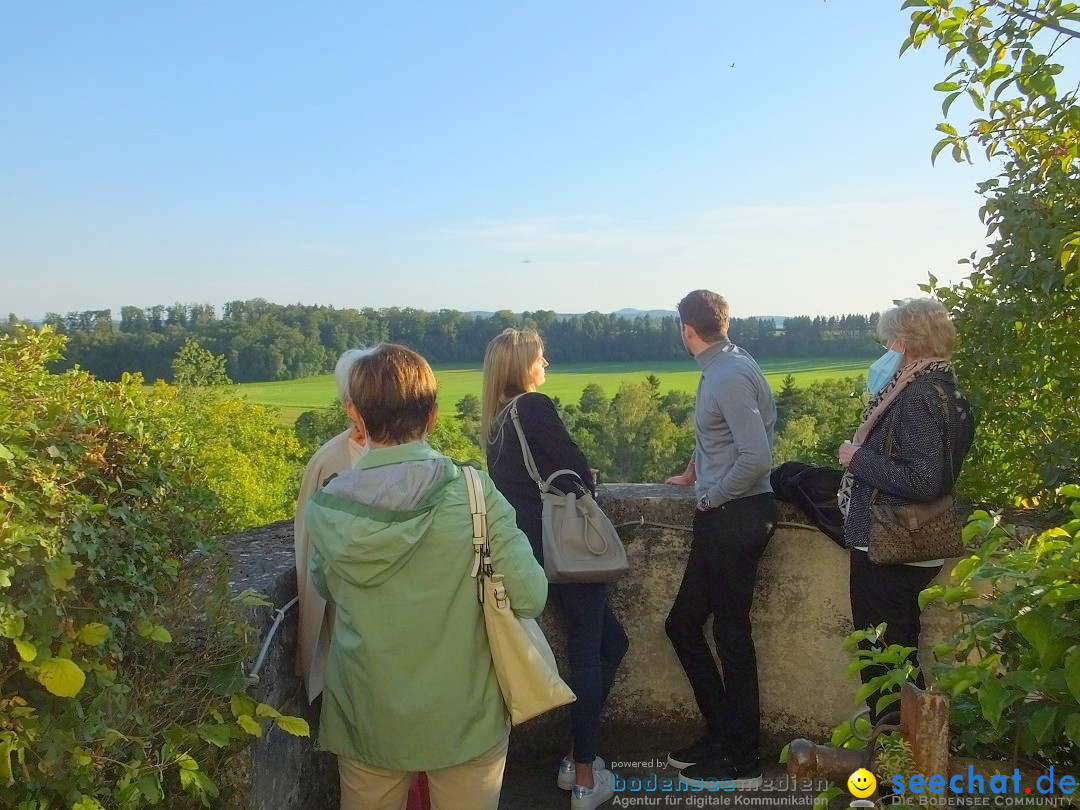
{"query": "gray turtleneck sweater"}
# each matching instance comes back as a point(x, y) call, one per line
point(733, 425)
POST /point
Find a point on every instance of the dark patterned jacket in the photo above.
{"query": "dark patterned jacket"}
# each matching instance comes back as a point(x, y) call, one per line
point(918, 470)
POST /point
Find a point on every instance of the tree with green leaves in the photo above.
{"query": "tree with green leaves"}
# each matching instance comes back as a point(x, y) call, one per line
point(1018, 312)
point(195, 366)
point(468, 416)
point(788, 401)
point(813, 421)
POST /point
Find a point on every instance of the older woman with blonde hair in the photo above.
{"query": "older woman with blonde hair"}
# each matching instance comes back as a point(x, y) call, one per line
point(929, 442)
point(514, 367)
point(410, 684)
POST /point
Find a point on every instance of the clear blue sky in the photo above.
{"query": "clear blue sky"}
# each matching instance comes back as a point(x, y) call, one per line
point(473, 155)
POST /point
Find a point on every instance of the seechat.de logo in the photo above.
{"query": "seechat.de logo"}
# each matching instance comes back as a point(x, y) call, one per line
point(1005, 788)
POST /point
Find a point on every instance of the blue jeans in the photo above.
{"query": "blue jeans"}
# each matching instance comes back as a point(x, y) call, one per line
point(595, 644)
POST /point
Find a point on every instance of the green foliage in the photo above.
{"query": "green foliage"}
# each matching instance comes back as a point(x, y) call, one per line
point(251, 462)
point(314, 428)
point(898, 665)
point(106, 700)
point(892, 754)
point(248, 460)
point(812, 422)
point(468, 414)
point(1016, 313)
point(450, 438)
point(565, 382)
point(1013, 669)
point(893, 757)
point(1003, 54)
point(634, 436)
point(1017, 318)
point(195, 366)
point(789, 401)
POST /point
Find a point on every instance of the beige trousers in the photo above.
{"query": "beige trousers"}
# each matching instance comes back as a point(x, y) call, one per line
point(472, 785)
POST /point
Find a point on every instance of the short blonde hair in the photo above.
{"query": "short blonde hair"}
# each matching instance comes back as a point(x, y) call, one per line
point(506, 373)
point(923, 325)
point(394, 390)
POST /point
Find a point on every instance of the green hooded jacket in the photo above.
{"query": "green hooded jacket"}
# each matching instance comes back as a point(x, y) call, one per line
point(409, 681)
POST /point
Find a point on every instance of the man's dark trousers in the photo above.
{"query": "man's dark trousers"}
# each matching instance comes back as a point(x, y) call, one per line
point(719, 581)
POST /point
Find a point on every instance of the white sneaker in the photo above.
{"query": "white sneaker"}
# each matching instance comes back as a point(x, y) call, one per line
point(568, 772)
point(583, 798)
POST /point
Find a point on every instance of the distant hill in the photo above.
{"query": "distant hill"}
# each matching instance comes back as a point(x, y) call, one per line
point(665, 313)
point(652, 313)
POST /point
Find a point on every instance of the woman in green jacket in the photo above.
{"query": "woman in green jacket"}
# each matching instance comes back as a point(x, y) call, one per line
point(409, 682)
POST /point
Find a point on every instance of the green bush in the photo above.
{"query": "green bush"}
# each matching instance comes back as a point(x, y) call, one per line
point(1013, 668)
point(314, 428)
point(251, 463)
point(104, 700)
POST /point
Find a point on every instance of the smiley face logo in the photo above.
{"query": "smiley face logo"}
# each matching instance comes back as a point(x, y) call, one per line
point(861, 783)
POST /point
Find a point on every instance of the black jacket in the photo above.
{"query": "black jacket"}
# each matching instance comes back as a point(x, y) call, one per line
point(918, 469)
point(552, 449)
point(813, 490)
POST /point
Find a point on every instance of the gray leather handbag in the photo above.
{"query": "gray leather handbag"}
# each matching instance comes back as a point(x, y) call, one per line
point(579, 542)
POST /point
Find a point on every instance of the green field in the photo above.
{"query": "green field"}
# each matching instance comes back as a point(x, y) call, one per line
point(563, 381)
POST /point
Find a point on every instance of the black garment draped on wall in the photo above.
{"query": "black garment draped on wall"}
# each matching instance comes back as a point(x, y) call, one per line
point(813, 490)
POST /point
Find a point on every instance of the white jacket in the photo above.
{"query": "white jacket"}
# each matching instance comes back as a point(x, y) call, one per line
point(316, 617)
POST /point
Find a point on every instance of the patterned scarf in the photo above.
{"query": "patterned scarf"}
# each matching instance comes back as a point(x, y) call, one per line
point(876, 408)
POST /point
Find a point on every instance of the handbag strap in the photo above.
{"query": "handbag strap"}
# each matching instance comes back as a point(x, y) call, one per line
point(530, 462)
point(481, 565)
point(943, 398)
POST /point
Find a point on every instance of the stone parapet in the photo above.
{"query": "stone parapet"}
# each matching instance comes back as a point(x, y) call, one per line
point(800, 617)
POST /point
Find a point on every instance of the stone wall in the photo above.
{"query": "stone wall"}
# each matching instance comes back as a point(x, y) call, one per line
point(286, 771)
point(800, 618)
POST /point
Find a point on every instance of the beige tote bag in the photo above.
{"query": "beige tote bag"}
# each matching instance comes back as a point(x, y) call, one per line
point(524, 664)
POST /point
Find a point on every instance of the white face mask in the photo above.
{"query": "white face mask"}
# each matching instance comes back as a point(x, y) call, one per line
point(365, 448)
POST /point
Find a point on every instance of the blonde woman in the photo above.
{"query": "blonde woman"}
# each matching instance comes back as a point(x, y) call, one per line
point(928, 448)
point(513, 369)
point(410, 684)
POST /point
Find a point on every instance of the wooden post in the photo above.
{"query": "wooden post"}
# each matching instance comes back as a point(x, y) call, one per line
point(924, 722)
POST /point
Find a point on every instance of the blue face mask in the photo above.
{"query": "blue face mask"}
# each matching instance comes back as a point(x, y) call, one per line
point(883, 370)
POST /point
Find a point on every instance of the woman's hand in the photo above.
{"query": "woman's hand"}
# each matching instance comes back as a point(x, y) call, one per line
point(847, 452)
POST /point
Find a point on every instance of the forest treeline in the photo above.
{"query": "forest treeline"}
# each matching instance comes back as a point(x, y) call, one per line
point(264, 341)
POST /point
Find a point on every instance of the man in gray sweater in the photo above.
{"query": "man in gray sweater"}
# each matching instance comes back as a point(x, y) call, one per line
point(735, 517)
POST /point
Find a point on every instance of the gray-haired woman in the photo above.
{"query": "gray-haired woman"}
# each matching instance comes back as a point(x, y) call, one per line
point(928, 449)
point(335, 456)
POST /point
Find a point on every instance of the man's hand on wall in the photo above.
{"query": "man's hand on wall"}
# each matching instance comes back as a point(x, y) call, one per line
point(686, 478)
